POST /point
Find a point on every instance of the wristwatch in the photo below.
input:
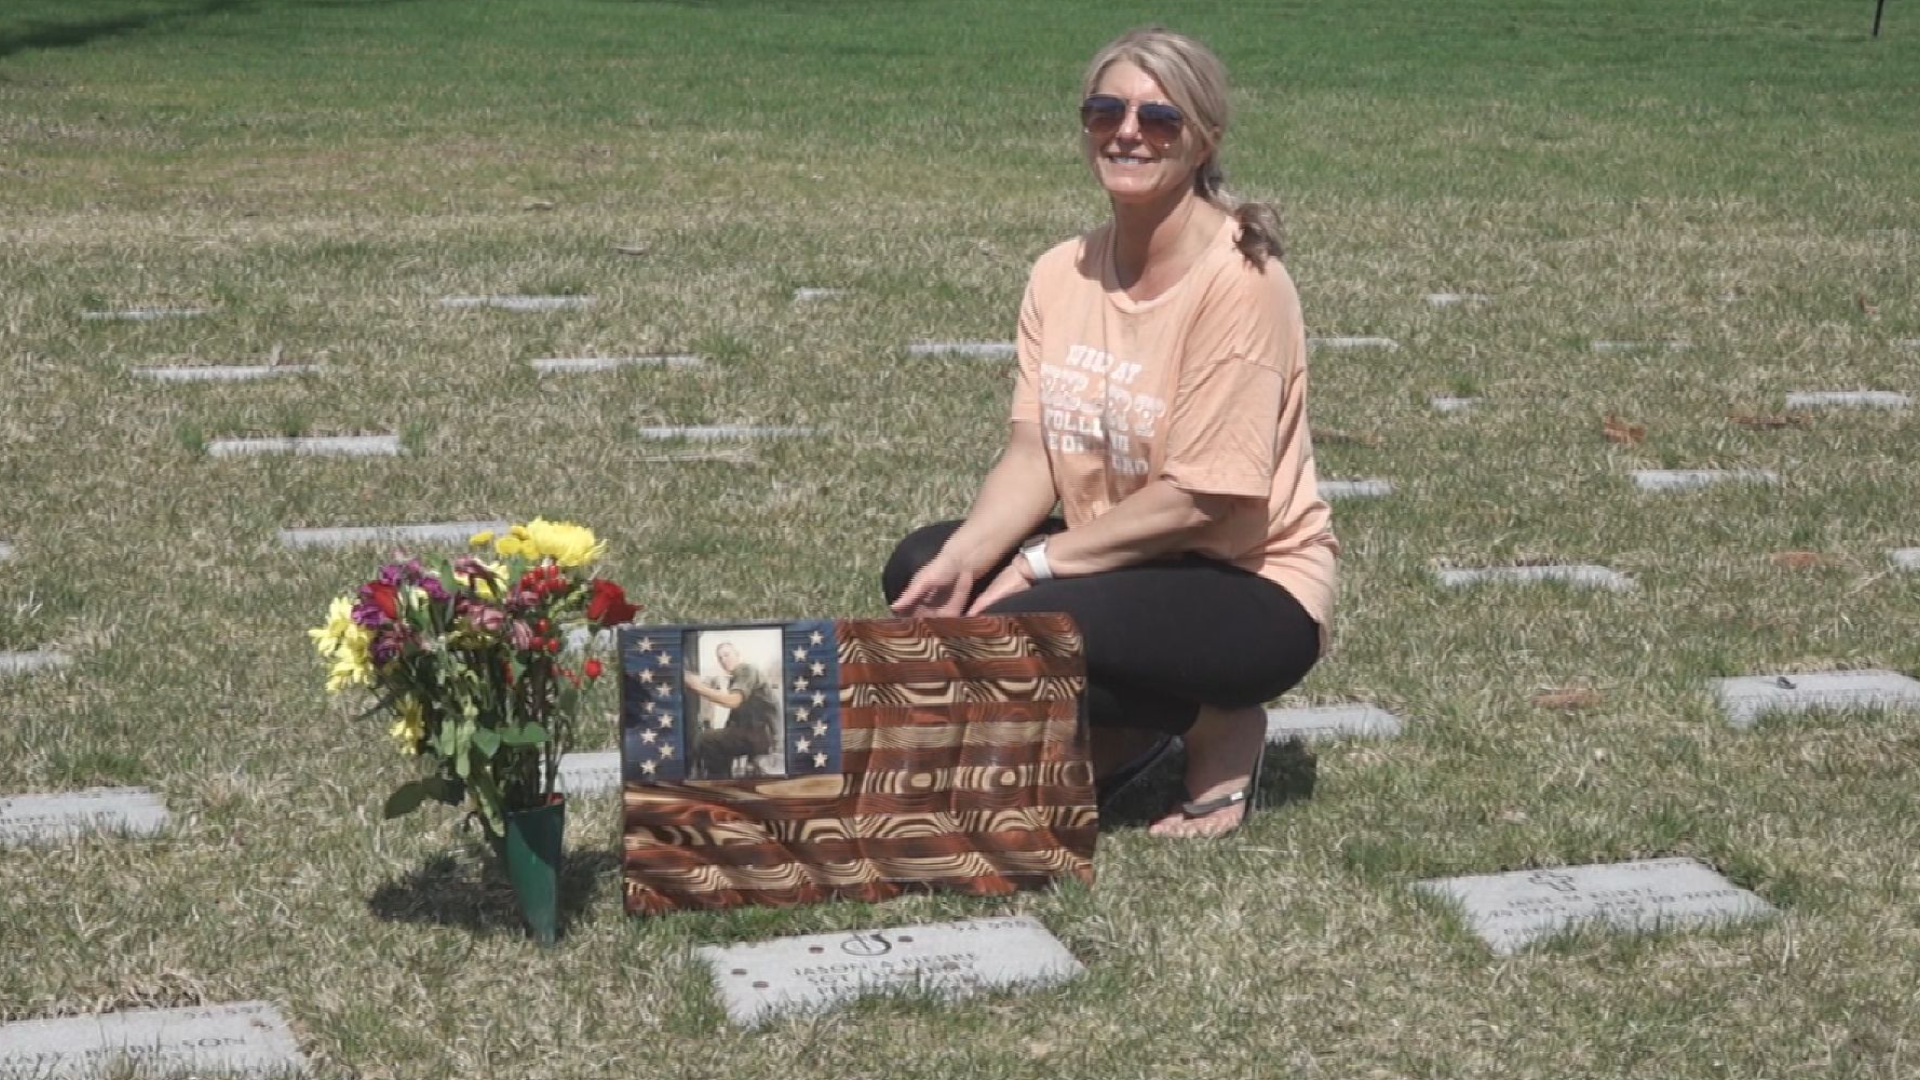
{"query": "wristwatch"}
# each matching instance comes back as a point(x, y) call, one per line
point(1035, 552)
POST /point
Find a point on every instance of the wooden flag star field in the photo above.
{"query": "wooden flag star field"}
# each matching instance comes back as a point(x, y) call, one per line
point(789, 763)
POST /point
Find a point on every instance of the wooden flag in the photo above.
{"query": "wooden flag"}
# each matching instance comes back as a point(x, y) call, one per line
point(852, 759)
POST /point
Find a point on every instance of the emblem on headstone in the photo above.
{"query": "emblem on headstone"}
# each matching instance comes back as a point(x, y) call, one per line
point(866, 945)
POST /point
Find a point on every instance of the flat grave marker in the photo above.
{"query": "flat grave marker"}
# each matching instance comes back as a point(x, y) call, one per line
point(1513, 910)
point(562, 365)
point(6, 551)
point(63, 815)
point(145, 314)
point(590, 773)
point(761, 981)
point(805, 294)
point(448, 533)
point(246, 1038)
point(308, 446)
point(1352, 343)
point(1909, 343)
point(1448, 403)
point(1692, 479)
point(1640, 346)
point(517, 303)
point(1454, 299)
point(1747, 698)
point(1318, 722)
point(724, 431)
point(220, 372)
point(25, 663)
point(1355, 489)
point(1854, 399)
point(1905, 558)
point(1583, 575)
point(979, 350)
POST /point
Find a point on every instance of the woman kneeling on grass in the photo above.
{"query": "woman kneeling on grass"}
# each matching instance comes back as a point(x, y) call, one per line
point(1162, 402)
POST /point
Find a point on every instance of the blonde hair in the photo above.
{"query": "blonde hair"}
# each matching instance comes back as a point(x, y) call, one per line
point(1196, 81)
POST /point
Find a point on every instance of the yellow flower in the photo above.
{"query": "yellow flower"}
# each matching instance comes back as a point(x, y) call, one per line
point(516, 543)
point(490, 589)
point(410, 727)
point(351, 664)
point(339, 622)
point(481, 539)
point(564, 542)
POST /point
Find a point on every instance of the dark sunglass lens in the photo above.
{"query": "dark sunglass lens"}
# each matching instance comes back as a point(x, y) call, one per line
point(1102, 115)
point(1160, 123)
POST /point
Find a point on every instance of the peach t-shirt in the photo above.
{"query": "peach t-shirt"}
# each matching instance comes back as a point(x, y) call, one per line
point(1204, 385)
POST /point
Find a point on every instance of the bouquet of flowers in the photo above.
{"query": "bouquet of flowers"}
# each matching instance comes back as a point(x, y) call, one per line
point(480, 661)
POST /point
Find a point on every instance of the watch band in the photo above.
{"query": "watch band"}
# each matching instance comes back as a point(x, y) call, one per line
point(1035, 552)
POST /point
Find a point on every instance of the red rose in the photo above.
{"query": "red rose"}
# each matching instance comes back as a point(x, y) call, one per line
point(383, 596)
point(608, 606)
point(592, 668)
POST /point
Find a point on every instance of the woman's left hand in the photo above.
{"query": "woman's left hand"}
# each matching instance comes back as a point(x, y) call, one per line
point(1012, 580)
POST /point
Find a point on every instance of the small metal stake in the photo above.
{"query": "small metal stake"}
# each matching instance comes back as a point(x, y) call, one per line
point(1878, 9)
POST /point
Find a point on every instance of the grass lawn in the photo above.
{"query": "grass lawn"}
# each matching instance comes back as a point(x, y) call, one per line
point(1738, 175)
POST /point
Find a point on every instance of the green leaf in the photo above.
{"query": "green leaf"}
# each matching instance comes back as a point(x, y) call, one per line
point(407, 798)
point(528, 734)
point(445, 789)
point(487, 741)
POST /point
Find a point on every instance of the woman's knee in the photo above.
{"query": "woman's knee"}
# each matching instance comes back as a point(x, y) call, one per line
point(916, 550)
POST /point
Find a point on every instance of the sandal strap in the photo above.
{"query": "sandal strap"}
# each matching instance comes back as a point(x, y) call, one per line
point(1198, 808)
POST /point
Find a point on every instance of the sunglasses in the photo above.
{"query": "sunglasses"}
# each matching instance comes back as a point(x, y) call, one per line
point(1102, 116)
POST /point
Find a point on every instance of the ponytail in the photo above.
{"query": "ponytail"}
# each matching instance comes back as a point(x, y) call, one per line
point(1260, 237)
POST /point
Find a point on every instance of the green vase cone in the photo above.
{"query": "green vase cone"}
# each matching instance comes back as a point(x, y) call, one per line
point(535, 848)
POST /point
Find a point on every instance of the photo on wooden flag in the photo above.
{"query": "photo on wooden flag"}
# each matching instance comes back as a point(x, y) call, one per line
point(786, 763)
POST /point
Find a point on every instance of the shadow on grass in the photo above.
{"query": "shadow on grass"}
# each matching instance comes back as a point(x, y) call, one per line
point(1288, 773)
point(69, 35)
point(472, 892)
point(46, 34)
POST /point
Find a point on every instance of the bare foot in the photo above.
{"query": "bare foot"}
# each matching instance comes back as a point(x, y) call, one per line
point(1222, 746)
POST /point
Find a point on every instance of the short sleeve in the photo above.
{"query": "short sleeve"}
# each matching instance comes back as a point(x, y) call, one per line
point(1026, 387)
point(746, 678)
point(1246, 345)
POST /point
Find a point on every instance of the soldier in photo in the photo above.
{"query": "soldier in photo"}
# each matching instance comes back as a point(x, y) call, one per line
point(753, 716)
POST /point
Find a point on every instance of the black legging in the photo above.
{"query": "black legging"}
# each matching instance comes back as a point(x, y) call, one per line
point(1162, 638)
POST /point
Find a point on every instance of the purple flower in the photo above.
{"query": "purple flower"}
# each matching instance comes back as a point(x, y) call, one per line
point(390, 643)
point(481, 616)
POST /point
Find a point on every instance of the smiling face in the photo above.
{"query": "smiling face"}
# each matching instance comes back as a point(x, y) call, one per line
point(1131, 167)
point(728, 656)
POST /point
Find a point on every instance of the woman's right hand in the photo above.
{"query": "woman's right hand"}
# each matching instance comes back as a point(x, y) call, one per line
point(941, 588)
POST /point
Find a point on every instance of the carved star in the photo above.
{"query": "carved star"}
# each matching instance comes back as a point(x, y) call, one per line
point(649, 768)
point(646, 676)
point(663, 659)
point(799, 655)
point(803, 745)
point(802, 713)
point(649, 706)
point(799, 684)
point(820, 699)
point(819, 761)
point(815, 638)
point(666, 721)
point(648, 736)
point(819, 668)
point(666, 751)
point(663, 691)
point(646, 645)
point(819, 727)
